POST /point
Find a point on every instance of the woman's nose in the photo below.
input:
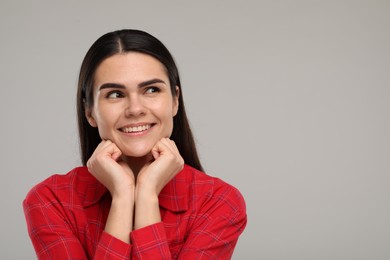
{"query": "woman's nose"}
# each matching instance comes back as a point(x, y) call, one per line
point(135, 106)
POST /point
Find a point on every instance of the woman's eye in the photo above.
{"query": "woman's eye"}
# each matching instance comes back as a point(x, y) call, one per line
point(151, 90)
point(114, 95)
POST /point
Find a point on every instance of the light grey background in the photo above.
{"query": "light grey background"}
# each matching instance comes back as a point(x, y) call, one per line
point(289, 101)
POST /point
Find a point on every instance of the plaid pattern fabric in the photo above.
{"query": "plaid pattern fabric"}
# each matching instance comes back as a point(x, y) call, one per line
point(202, 218)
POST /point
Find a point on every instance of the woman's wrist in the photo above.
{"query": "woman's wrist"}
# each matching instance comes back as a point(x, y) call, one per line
point(123, 194)
point(147, 208)
point(120, 219)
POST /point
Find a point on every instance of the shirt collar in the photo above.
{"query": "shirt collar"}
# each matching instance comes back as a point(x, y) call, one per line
point(92, 190)
point(173, 197)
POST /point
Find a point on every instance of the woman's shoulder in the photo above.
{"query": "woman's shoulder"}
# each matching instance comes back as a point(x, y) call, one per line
point(206, 180)
point(61, 181)
point(214, 188)
point(76, 182)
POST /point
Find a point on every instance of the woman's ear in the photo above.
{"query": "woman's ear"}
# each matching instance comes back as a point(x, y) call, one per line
point(91, 120)
point(175, 102)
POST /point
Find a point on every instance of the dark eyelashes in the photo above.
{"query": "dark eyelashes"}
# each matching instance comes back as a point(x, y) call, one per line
point(118, 94)
point(153, 89)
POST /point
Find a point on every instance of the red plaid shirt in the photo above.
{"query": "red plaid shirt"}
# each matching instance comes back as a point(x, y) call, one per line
point(202, 218)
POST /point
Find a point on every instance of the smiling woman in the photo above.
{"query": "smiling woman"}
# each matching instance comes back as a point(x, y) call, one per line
point(131, 92)
point(141, 192)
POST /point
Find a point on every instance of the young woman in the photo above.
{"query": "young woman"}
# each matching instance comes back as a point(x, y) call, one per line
point(141, 193)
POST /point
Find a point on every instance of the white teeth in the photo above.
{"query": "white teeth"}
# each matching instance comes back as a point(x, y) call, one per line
point(135, 129)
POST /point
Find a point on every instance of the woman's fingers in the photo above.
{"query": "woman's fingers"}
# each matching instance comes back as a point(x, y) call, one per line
point(106, 166)
point(166, 146)
point(168, 162)
point(107, 148)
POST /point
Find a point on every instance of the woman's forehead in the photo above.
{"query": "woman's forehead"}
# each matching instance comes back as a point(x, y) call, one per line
point(130, 67)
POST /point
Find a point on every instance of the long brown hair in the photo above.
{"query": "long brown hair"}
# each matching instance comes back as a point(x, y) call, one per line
point(123, 41)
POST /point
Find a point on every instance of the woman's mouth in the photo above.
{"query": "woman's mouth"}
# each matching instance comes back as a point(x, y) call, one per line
point(136, 129)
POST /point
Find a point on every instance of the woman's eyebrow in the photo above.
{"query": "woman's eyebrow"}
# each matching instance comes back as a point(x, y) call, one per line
point(111, 85)
point(140, 85)
point(151, 82)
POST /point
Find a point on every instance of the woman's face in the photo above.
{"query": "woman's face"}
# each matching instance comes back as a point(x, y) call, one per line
point(133, 104)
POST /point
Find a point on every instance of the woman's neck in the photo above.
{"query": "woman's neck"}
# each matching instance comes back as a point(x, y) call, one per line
point(137, 163)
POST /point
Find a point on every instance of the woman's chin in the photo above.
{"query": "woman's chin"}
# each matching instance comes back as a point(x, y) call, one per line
point(135, 150)
point(137, 154)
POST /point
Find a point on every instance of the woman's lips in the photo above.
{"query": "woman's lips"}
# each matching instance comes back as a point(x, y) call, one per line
point(136, 129)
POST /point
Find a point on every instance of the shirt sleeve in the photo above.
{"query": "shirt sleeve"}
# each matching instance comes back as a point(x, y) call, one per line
point(110, 247)
point(54, 237)
point(150, 242)
point(216, 230)
point(213, 235)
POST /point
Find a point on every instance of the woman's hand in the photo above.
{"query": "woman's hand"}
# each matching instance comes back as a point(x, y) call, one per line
point(105, 164)
point(167, 163)
point(151, 180)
